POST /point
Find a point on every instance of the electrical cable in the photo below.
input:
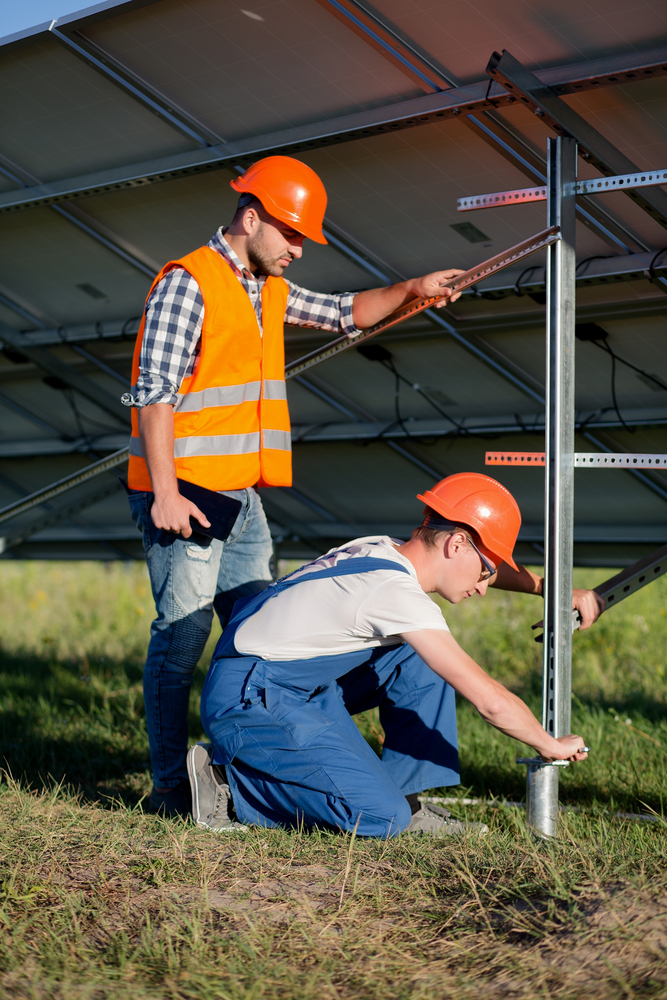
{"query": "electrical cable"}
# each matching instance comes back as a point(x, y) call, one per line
point(596, 335)
point(124, 329)
point(375, 352)
point(527, 270)
point(460, 429)
point(604, 346)
point(650, 272)
point(612, 355)
point(597, 256)
point(390, 366)
point(69, 396)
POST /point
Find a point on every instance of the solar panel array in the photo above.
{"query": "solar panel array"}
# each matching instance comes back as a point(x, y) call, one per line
point(122, 126)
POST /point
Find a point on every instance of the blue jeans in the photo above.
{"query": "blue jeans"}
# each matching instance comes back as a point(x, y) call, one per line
point(189, 579)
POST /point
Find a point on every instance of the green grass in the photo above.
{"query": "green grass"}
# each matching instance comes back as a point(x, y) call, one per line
point(99, 900)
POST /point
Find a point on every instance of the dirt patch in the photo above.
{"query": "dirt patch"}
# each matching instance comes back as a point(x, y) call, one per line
point(296, 895)
point(613, 936)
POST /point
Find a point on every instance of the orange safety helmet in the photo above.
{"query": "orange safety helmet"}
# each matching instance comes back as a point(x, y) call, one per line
point(290, 191)
point(475, 500)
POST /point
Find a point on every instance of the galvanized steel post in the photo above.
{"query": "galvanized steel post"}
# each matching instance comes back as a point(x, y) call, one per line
point(542, 782)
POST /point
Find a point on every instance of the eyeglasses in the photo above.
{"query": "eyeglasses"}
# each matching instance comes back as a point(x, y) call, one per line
point(488, 570)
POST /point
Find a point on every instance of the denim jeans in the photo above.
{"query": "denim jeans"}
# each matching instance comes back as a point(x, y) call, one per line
point(190, 578)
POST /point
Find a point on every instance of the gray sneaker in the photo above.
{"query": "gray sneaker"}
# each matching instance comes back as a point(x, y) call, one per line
point(211, 798)
point(438, 821)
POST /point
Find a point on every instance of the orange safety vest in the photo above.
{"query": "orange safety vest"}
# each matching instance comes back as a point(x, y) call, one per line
point(231, 421)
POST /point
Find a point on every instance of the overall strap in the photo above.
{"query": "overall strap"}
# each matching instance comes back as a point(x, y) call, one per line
point(349, 567)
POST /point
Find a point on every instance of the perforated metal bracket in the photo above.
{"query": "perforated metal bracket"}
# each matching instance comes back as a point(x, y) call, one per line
point(598, 185)
point(627, 582)
point(582, 459)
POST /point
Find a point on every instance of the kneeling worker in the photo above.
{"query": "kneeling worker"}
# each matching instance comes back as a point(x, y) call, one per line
point(353, 630)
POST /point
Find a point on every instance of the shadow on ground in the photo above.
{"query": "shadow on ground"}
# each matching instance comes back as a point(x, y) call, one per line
point(67, 722)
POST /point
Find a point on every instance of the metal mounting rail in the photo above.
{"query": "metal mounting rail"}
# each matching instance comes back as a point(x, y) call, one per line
point(625, 583)
point(598, 185)
point(582, 459)
point(62, 485)
point(458, 284)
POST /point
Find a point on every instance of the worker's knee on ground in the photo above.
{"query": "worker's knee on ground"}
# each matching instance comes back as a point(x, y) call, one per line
point(389, 821)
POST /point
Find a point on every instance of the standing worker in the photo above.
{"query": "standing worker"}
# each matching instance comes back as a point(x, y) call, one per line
point(210, 408)
point(355, 630)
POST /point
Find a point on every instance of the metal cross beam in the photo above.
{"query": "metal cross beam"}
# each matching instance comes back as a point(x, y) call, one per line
point(385, 41)
point(63, 485)
point(429, 109)
point(43, 357)
point(494, 264)
point(488, 126)
point(77, 217)
point(470, 342)
point(593, 147)
point(622, 267)
point(485, 124)
point(136, 88)
point(8, 542)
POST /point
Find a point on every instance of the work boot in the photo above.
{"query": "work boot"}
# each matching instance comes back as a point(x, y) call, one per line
point(175, 802)
point(438, 821)
point(212, 804)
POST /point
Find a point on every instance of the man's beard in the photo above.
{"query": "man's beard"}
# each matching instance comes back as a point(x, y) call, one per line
point(260, 257)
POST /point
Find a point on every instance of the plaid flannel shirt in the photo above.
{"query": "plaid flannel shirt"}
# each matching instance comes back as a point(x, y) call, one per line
point(175, 313)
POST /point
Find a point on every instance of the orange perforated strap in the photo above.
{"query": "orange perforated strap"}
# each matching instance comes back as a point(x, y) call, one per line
point(515, 458)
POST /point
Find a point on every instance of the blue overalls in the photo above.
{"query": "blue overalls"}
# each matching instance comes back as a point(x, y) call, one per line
point(285, 733)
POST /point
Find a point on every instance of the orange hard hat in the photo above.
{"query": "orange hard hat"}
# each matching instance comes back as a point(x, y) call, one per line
point(475, 500)
point(290, 191)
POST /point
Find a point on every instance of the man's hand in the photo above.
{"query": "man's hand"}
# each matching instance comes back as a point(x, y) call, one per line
point(569, 747)
point(589, 605)
point(170, 511)
point(375, 304)
point(434, 284)
point(173, 513)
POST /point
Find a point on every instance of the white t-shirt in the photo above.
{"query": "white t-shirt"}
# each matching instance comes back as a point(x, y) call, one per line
point(342, 614)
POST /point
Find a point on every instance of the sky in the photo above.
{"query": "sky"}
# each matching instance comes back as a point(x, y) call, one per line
point(18, 14)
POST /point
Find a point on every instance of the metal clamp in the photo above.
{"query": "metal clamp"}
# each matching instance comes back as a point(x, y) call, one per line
point(538, 762)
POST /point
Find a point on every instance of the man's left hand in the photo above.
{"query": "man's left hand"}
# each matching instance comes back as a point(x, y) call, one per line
point(434, 284)
point(589, 605)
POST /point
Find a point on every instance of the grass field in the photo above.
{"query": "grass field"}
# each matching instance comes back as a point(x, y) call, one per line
point(99, 900)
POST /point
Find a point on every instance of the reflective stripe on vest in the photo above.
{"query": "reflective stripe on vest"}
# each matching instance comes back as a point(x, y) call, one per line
point(234, 435)
point(275, 388)
point(217, 444)
point(278, 440)
point(219, 395)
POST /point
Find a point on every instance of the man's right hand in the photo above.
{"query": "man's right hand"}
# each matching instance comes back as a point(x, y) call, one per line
point(568, 749)
point(173, 513)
